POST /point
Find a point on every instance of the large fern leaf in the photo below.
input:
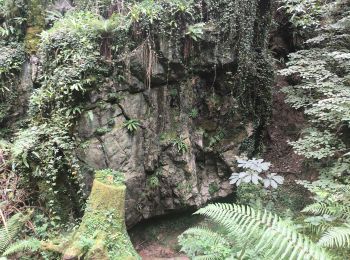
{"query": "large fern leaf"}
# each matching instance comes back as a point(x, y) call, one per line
point(336, 237)
point(12, 228)
point(31, 245)
point(333, 209)
point(264, 232)
point(211, 243)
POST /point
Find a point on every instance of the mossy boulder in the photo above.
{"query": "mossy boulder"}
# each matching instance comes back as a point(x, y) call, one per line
point(102, 233)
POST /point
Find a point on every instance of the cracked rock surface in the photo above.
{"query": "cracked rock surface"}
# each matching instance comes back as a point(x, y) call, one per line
point(160, 178)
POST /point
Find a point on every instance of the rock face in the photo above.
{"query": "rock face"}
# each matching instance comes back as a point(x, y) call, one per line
point(197, 101)
point(194, 111)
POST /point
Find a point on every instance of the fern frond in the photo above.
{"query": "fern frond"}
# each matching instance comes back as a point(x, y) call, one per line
point(13, 227)
point(207, 245)
point(31, 245)
point(319, 229)
point(207, 257)
point(270, 236)
point(334, 209)
point(317, 208)
point(336, 237)
point(210, 235)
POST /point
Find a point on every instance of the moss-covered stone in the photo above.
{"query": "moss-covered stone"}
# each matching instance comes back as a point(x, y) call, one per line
point(103, 225)
point(102, 232)
point(32, 39)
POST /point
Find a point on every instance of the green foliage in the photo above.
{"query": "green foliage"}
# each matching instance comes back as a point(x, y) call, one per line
point(318, 77)
point(132, 125)
point(318, 145)
point(304, 13)
point(248, 234)
point(287, 200)
point(213, 188)
point(252, 169)
point(215, 139)
point(12, 17)
point(102, 130)
point(11, 229)
point(11, 60)
point(72, 67)
point(29, 245)
point(330, 220)
point(196, 31)
point(319, 85)
point(194, 113)
point(180, 145)
point(336, 237)
point(110, 176)
point(195, 241)
point(251, 195)
point(44, 152)
point(153, 181)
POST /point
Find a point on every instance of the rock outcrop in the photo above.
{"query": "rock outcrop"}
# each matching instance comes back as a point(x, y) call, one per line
point(198, 96)
point(197, 110)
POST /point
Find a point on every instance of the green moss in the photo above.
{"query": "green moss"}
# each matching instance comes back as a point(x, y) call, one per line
point(114, 98)
point(102, 233)
point(185, 187)
point(153, 181)
point(32, 39)
point(102, 130)
point(168, 136)
point(109, 176)
point(213, 188)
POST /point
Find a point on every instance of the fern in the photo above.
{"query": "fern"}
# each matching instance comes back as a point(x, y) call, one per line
point(23, 245)
point(198, 239)
point(333, 209)
point(336, 237)
point(260, 233)
point(12, 228)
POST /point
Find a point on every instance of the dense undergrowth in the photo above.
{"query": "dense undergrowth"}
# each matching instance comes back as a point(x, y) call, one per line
point(87, 47)
point(318, 78)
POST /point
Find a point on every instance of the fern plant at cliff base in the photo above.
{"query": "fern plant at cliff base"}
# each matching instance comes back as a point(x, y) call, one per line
point(247, 234)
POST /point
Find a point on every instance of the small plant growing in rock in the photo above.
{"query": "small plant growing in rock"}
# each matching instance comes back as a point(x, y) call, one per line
point(110, 176)
point(180, 145)
point(132, 125)
point(255, 171)
point(173, 92)
point(153, 181)
point(213, 140)
point(213, 188)
point(194, 113)
point(196, 31)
